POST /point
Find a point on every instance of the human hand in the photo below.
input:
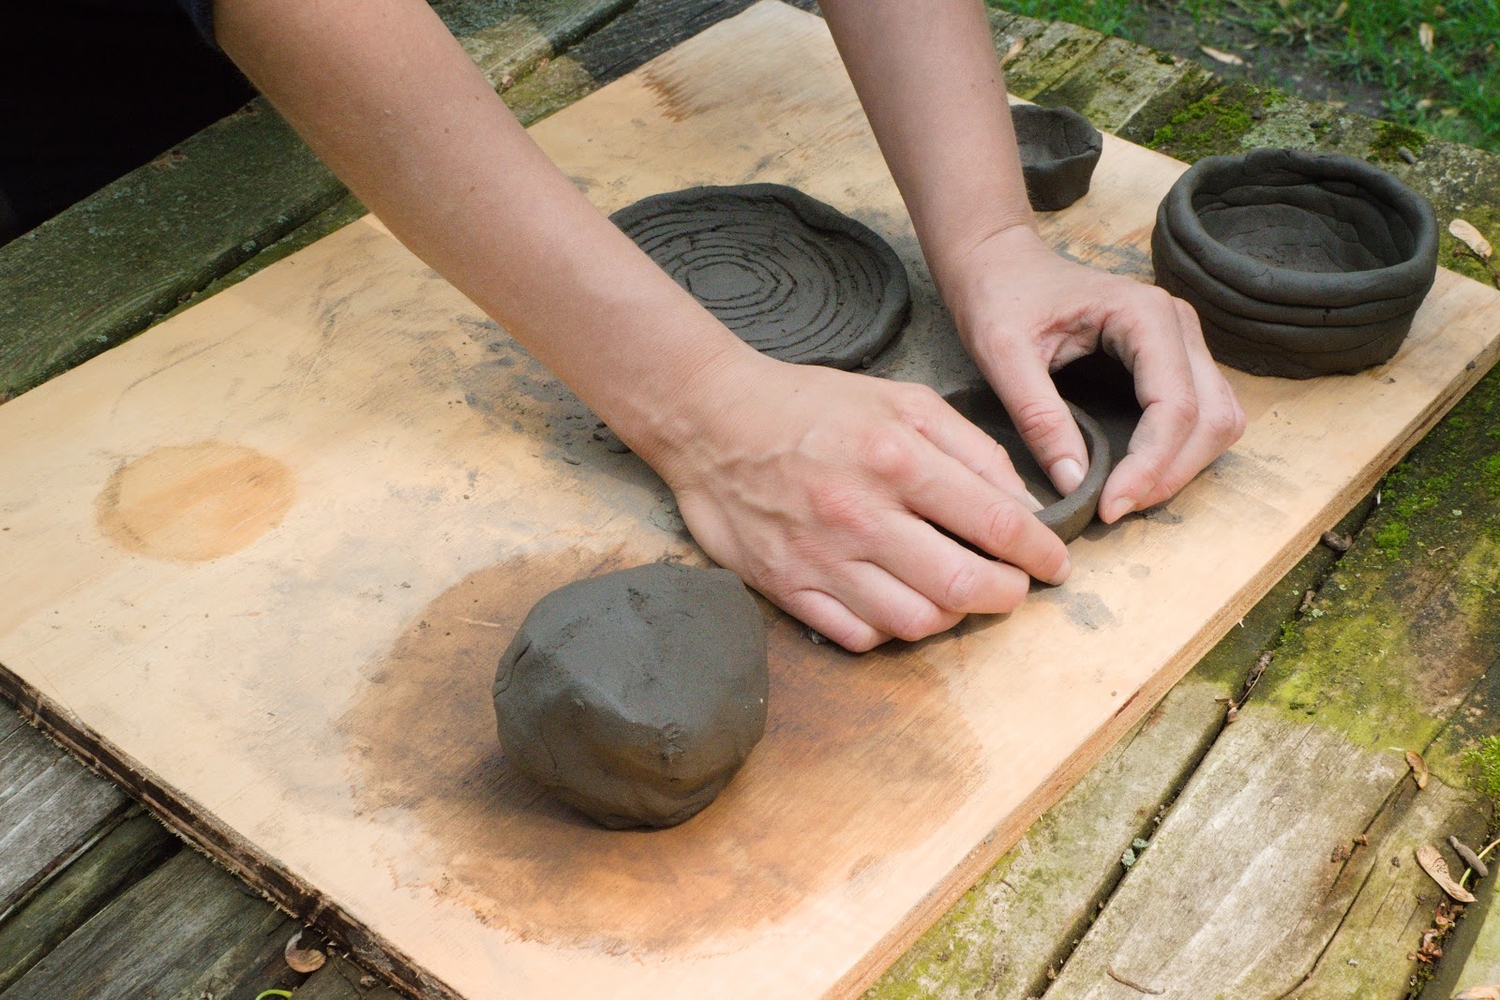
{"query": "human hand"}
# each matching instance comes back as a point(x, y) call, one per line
point(821, 489)
point(1024, 312)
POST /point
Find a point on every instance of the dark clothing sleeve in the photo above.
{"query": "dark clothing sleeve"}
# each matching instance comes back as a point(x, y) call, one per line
point(202, 14)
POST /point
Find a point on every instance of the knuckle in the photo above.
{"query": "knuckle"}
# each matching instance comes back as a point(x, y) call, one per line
point(917, 623)
point(1002, 525)
point(1037, 421)
point(835, 505)
point(915, 402)
point(888, 456)
point(961, 587)
point(1182, 410)
point(1227, 425)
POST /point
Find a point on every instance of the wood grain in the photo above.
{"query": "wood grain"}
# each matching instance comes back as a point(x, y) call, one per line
point(312, 703)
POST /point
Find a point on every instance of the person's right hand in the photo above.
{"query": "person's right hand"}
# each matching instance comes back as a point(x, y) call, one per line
point(821, 489)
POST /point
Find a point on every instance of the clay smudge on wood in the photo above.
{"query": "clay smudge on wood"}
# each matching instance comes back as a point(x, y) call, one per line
point(194, 502)
point(846, 736)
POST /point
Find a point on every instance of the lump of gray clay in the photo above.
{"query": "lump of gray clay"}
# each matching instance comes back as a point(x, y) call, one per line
point(1067, 516)
point(1299, 264)
point(793, 277)
point(635, 696)
point(1059, 150)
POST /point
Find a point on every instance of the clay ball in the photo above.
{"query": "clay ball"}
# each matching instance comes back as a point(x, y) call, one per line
point(1059, 149)
point(635, 696)
point(1298, 264)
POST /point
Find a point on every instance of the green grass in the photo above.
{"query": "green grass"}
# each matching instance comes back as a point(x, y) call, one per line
point(1452, 91)
point(1112, 17)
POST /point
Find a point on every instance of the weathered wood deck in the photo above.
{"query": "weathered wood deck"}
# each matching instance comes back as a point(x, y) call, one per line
point(1278, 859)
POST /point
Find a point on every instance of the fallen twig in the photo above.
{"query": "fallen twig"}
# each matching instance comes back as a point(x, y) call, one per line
point(1131, 983)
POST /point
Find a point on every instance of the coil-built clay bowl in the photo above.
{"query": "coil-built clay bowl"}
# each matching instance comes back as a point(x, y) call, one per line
point(1299, 264)
point(1067, 516)
point(1059, 150)
point(795, 278)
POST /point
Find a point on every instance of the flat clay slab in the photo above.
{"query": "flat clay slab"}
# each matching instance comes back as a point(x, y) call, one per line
point(796, 279)
point(361, 485)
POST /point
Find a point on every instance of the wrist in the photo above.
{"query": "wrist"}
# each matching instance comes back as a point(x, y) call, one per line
point(670, 419)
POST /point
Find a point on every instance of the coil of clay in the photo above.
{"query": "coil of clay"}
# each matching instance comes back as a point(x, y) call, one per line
point(793, 277)
point(1067, 516)
point(1299, 264)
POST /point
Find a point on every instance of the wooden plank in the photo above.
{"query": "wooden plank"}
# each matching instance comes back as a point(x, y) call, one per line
point(50, 809)
point(160, 939)
point(120, 859)
point(1118, 81)
point(109, 266)
point(342, 980)
point(1256, 886)
point(370, 396)
point(1009, 935)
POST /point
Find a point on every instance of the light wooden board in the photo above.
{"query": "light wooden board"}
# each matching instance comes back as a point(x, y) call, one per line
point(263, 559)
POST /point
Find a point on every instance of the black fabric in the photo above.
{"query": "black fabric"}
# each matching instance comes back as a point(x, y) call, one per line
point(92, 89)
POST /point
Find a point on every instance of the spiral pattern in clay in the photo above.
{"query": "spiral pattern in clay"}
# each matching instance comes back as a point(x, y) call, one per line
point(793, 277)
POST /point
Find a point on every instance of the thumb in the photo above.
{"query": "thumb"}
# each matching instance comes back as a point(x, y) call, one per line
point(1045, 423)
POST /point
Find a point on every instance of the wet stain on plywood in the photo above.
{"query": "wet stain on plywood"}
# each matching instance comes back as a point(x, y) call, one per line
point(848, 739)
point(194, 502)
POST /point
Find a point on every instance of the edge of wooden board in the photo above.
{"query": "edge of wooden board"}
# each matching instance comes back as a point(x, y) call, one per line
point(1006, 835)
point(198, 827)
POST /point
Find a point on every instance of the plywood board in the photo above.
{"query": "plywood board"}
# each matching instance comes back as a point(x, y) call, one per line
point(261, 561)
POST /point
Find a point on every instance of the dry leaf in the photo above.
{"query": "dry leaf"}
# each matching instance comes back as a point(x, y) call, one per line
point(1472, 238)
point(1426, 36)
point(1418, 767)
point(1227, 58)
point(302, 960)
point(1469, 858)
point(1480, 993)
point(1014, 50)
point(1433, 864)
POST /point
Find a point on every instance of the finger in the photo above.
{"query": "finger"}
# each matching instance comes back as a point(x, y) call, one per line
point(977, 451)
point(1025, 387)
point(947, 574)
point(1152, 347)
point(888, 605)
point(1221, 421)
point(951, 496)
point(831, 618)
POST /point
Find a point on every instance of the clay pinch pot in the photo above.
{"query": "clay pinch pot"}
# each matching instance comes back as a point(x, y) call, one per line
point(1067, 516)
point(1299, 264)
point(1059, 150)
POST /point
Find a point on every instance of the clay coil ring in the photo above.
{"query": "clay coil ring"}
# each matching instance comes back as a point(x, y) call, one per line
point(1059, 149)
point(1066, 516)
point(795, 278)
point(1299, 264)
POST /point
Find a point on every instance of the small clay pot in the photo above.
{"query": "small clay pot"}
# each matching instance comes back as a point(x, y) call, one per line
point(1299, 264)
point(1067, 516)
point(1059, 150)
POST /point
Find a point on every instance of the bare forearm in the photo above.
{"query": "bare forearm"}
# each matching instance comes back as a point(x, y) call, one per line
point(388, 99)
point(931, 84)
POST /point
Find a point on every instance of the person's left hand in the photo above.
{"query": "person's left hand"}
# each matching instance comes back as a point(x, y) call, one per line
point(1024, 312)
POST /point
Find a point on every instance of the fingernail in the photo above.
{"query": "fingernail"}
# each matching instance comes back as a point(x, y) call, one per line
point(1119, 509)
point(1031, 502)
point(1066, 474)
